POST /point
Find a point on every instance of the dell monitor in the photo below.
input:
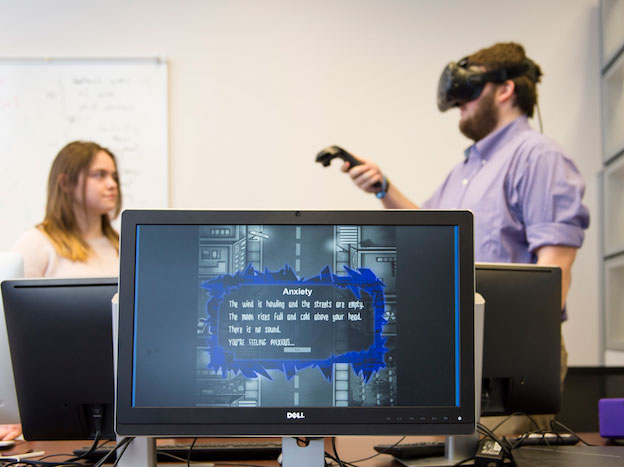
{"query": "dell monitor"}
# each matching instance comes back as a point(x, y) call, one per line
point(11, 267)
point(60, 336)
point(522, 338)
point(295, 323)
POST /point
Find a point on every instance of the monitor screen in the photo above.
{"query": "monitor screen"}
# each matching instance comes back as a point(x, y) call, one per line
point(522, 338)
point(60, 335)
point(295, 323)
point(11, 267)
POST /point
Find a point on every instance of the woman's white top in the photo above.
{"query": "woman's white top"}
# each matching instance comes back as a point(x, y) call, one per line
point(42, 260)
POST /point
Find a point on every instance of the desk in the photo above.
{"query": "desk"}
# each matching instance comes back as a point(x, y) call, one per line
point(350, 448)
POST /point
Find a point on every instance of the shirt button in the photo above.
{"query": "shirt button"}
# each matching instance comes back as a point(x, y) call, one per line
point(465, 181)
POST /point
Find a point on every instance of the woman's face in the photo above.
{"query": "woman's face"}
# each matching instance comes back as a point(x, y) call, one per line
point(100, 185)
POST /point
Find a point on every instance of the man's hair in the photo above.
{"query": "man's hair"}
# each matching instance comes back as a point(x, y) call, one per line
point(506, 55)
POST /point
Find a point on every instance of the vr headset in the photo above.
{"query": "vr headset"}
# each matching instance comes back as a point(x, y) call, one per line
point(461, 83)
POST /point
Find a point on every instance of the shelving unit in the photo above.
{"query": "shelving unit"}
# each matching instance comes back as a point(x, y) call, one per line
point(614, 301)
point(613, 109)
point(612, 177)
point(613, 225)
point(612, 15)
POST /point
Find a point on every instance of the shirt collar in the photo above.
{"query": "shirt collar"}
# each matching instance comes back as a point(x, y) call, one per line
point(487, 146)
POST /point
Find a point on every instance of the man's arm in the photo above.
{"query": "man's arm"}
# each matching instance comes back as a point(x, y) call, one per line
point(366, 175)
point(394, 199)
point(562, 256)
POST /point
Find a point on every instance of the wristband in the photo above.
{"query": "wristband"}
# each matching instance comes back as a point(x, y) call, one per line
point(385, 184)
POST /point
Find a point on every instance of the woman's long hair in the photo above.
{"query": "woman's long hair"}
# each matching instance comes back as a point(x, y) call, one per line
point(60, 223)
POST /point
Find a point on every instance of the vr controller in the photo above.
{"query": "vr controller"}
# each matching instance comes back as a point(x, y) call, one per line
point(331, 152)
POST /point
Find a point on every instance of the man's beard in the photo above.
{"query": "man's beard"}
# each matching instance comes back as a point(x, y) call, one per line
point(484, 119)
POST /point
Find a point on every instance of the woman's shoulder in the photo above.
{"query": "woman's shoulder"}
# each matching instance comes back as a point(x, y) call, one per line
point(32, 237)
point(37, 251)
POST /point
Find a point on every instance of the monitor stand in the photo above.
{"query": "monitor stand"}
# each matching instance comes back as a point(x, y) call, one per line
point(141, 452)
point(311, 455)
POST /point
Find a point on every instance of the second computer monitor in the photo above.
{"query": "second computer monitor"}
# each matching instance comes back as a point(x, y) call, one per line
point(60, 335)
point(522, 338)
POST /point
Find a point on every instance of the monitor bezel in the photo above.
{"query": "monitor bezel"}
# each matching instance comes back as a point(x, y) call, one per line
point(321, 421)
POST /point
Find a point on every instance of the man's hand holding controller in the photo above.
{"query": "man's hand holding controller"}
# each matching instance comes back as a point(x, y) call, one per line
point(365, 174)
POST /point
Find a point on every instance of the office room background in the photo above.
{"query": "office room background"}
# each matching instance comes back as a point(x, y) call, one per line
point(256, 88)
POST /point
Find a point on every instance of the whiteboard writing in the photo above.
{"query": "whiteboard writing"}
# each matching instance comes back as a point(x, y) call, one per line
point(45, 104)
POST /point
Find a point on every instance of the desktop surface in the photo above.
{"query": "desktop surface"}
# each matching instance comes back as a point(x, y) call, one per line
point(350, 448)
point(569, 456)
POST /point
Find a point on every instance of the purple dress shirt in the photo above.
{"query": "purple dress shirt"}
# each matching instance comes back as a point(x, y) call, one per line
point(523, 190)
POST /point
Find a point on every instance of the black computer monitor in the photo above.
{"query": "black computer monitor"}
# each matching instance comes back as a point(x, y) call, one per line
point(295, 323)
point(60, 337)
point(522, 338)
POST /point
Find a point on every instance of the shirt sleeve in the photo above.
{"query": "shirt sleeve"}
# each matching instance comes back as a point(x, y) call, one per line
point(547, 197)
point(35, 249)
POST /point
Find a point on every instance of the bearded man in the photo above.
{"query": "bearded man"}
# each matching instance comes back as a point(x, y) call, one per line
point(524, 191)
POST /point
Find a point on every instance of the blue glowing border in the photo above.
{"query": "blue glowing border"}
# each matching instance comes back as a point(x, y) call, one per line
point(365, 363)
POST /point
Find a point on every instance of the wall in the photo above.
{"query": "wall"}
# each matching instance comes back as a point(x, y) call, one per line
point(257, 88)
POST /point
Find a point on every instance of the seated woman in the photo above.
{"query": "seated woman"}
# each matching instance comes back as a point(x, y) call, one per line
point(76, 237)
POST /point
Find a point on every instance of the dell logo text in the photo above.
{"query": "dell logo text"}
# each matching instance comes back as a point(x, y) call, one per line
point(299, 415)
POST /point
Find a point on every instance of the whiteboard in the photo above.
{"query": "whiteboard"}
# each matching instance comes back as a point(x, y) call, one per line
point(120, 104)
